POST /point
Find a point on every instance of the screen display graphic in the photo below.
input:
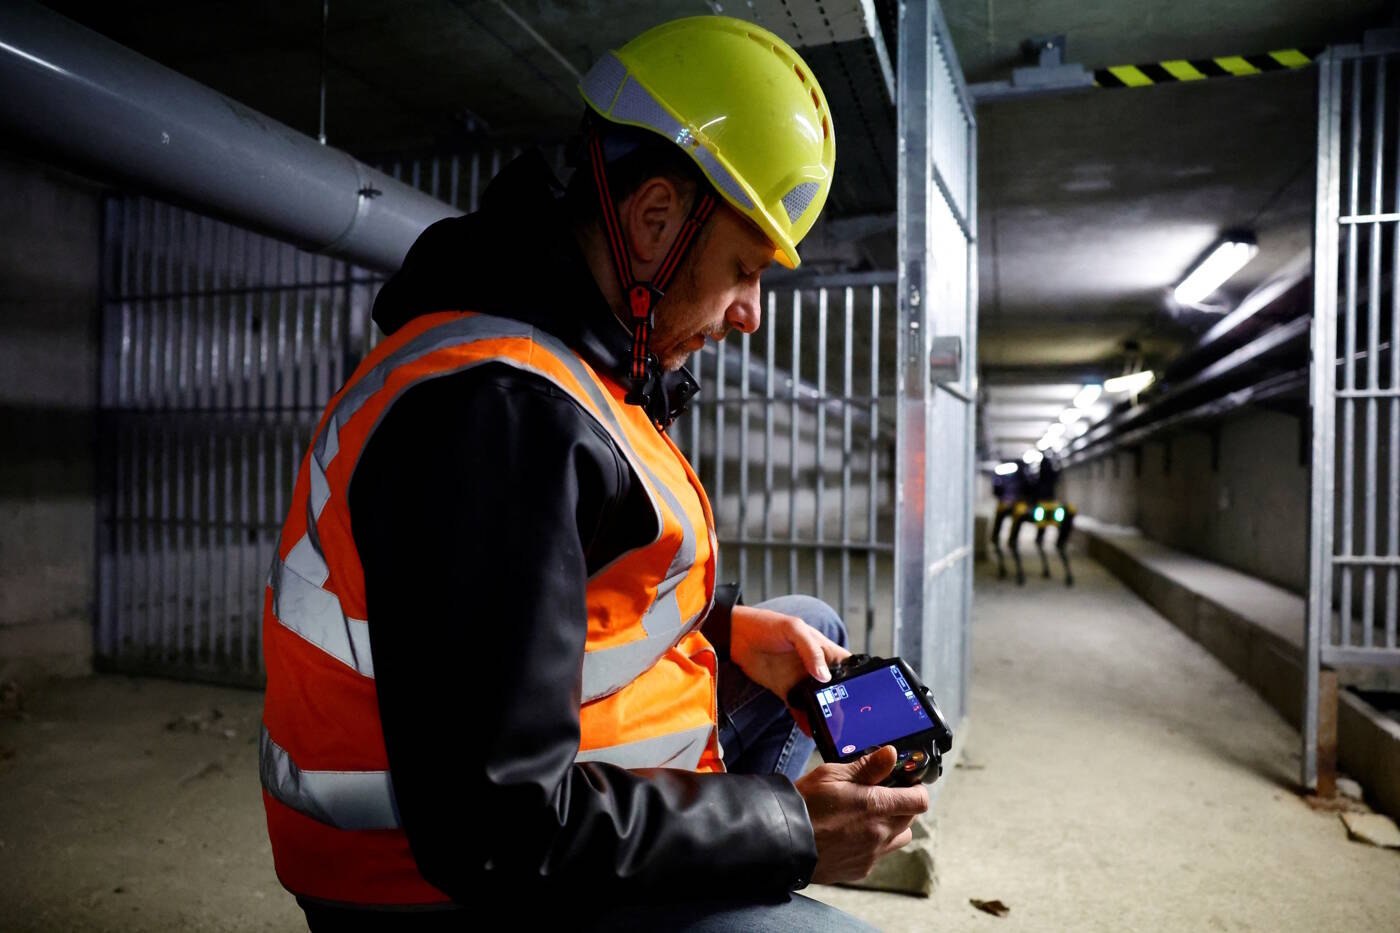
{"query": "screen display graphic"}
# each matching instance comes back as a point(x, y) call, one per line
point(873, 709)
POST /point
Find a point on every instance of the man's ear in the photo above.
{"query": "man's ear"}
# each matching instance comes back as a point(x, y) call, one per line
point(651, 216)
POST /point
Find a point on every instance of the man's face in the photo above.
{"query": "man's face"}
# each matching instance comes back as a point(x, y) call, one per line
point(716, 291)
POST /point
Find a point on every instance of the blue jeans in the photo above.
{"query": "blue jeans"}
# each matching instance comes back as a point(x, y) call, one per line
point(756, 730)
point(758, 736)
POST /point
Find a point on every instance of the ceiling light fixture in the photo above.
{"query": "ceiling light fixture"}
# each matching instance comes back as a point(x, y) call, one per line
point(1225, 259)
point(1032, 457)
point(1088, 396)
point(1071, 415)
point(1132, 383)
point(1055, 430)
point(1006, 469)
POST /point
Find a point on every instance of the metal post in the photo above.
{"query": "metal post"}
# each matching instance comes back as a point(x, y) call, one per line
point(719, 445)
point(793, 436)
point(1323, 376)
point(744, 462)
point(911, 403)
point(819, 454)
point(847, 388)
point(1349, 360)
point(769, 365)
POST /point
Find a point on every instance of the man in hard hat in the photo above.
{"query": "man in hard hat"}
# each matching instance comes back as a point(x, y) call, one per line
point(492, 634)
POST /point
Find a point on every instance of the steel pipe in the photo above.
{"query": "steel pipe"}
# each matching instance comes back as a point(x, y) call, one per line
point(102, 110)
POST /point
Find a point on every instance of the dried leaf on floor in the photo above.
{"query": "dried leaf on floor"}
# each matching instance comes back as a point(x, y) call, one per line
point(995, 908)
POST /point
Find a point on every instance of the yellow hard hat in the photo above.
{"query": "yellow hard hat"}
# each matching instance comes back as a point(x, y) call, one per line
point(742, 103)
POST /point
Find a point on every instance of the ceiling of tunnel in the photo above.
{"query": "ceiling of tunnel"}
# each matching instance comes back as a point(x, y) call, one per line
point(1091, 206)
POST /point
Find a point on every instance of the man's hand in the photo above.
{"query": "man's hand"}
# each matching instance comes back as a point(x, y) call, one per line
point(777, 651)
point(855, 821)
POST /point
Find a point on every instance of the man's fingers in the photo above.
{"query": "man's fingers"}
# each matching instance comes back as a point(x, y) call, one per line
point(899, 841)
point(875, 767)
point(808, 643)
point(899, 801)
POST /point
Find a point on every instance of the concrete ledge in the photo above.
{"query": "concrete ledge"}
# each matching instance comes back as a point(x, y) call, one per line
point(1256, 630)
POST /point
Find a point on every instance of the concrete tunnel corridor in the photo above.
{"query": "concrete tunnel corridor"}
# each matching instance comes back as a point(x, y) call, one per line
point(1116, 777)
point(1123, 272)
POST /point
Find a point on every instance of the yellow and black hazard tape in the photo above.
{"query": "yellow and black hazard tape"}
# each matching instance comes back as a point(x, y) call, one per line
point(1200, 69)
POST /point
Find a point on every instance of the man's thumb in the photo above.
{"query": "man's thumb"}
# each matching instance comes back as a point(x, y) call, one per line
point(875, 767)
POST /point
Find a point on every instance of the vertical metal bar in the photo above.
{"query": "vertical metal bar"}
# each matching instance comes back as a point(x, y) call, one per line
point(474, 194)
point(719, 445)
point(434, 178)
point(217, 253)
point(873, 466)
point(1323, 385)
point(198, 580)
point(119, 436)
point(169, 566)
point(148, 624)
point(970, 273)
point(847, 389)
point(1371, 505)
point(230, 579)
point(253, 274)
point(455, 170)
point(495, 164)
point(185, 536)
point(743, 461)
point(793, 433)
point(769, 364)
point(913, 173)
point(696, 414)
point(1392, 574)
point(1349, 348)
point(819, 455)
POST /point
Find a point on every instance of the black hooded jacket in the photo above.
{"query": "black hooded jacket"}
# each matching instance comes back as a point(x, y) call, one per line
point(480, 507)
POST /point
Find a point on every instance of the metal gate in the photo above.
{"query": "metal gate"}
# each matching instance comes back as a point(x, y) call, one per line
point(1354, 535)
point(793, 437)
point(219, 349)
point(937, 340)
point(837, 465)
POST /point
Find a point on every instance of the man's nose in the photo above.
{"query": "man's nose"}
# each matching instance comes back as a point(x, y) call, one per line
point(745, 313)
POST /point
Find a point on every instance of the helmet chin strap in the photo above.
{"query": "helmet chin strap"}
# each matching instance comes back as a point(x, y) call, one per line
point(642, 296)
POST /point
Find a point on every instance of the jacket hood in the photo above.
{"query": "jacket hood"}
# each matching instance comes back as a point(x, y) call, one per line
point(516, 258)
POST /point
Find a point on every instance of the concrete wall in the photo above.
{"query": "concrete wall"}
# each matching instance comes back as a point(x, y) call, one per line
point(1240, 500)
point(49, 242)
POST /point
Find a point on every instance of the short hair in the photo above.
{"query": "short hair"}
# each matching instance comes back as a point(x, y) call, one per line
point(643, 155)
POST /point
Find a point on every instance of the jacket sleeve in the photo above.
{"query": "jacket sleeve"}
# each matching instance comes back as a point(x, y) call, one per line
point(473, 509)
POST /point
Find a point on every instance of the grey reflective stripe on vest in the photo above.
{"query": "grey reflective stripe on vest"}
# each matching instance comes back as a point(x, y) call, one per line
point(343, 799)
point(303, 605)
point(608, 670)
point(676, 750)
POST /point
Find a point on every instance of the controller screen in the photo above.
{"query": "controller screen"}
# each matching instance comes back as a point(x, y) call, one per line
point(873, 709)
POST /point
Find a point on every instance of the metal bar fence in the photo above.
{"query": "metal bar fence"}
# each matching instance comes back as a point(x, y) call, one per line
point(788, 513)
point(1355, 482)
point(219, 349)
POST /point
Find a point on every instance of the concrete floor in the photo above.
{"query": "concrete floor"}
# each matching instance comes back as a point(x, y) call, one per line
point(1116, 778)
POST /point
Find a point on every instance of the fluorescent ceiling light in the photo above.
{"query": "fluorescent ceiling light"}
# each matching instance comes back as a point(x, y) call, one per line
point(1006, 469)
point(1228, 257)
point(1078, 429)
point(1060, 443)
point(1088, 396)
point(1055, 430)
point(1071, 415)
point(1032, 457)
point(1043, 444)
point(1133, 383)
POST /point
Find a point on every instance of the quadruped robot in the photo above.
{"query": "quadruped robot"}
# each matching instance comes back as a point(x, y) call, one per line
point(1030, 496)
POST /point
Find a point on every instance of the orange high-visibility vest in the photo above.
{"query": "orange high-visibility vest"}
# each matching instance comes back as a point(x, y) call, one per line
point(648, 674)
